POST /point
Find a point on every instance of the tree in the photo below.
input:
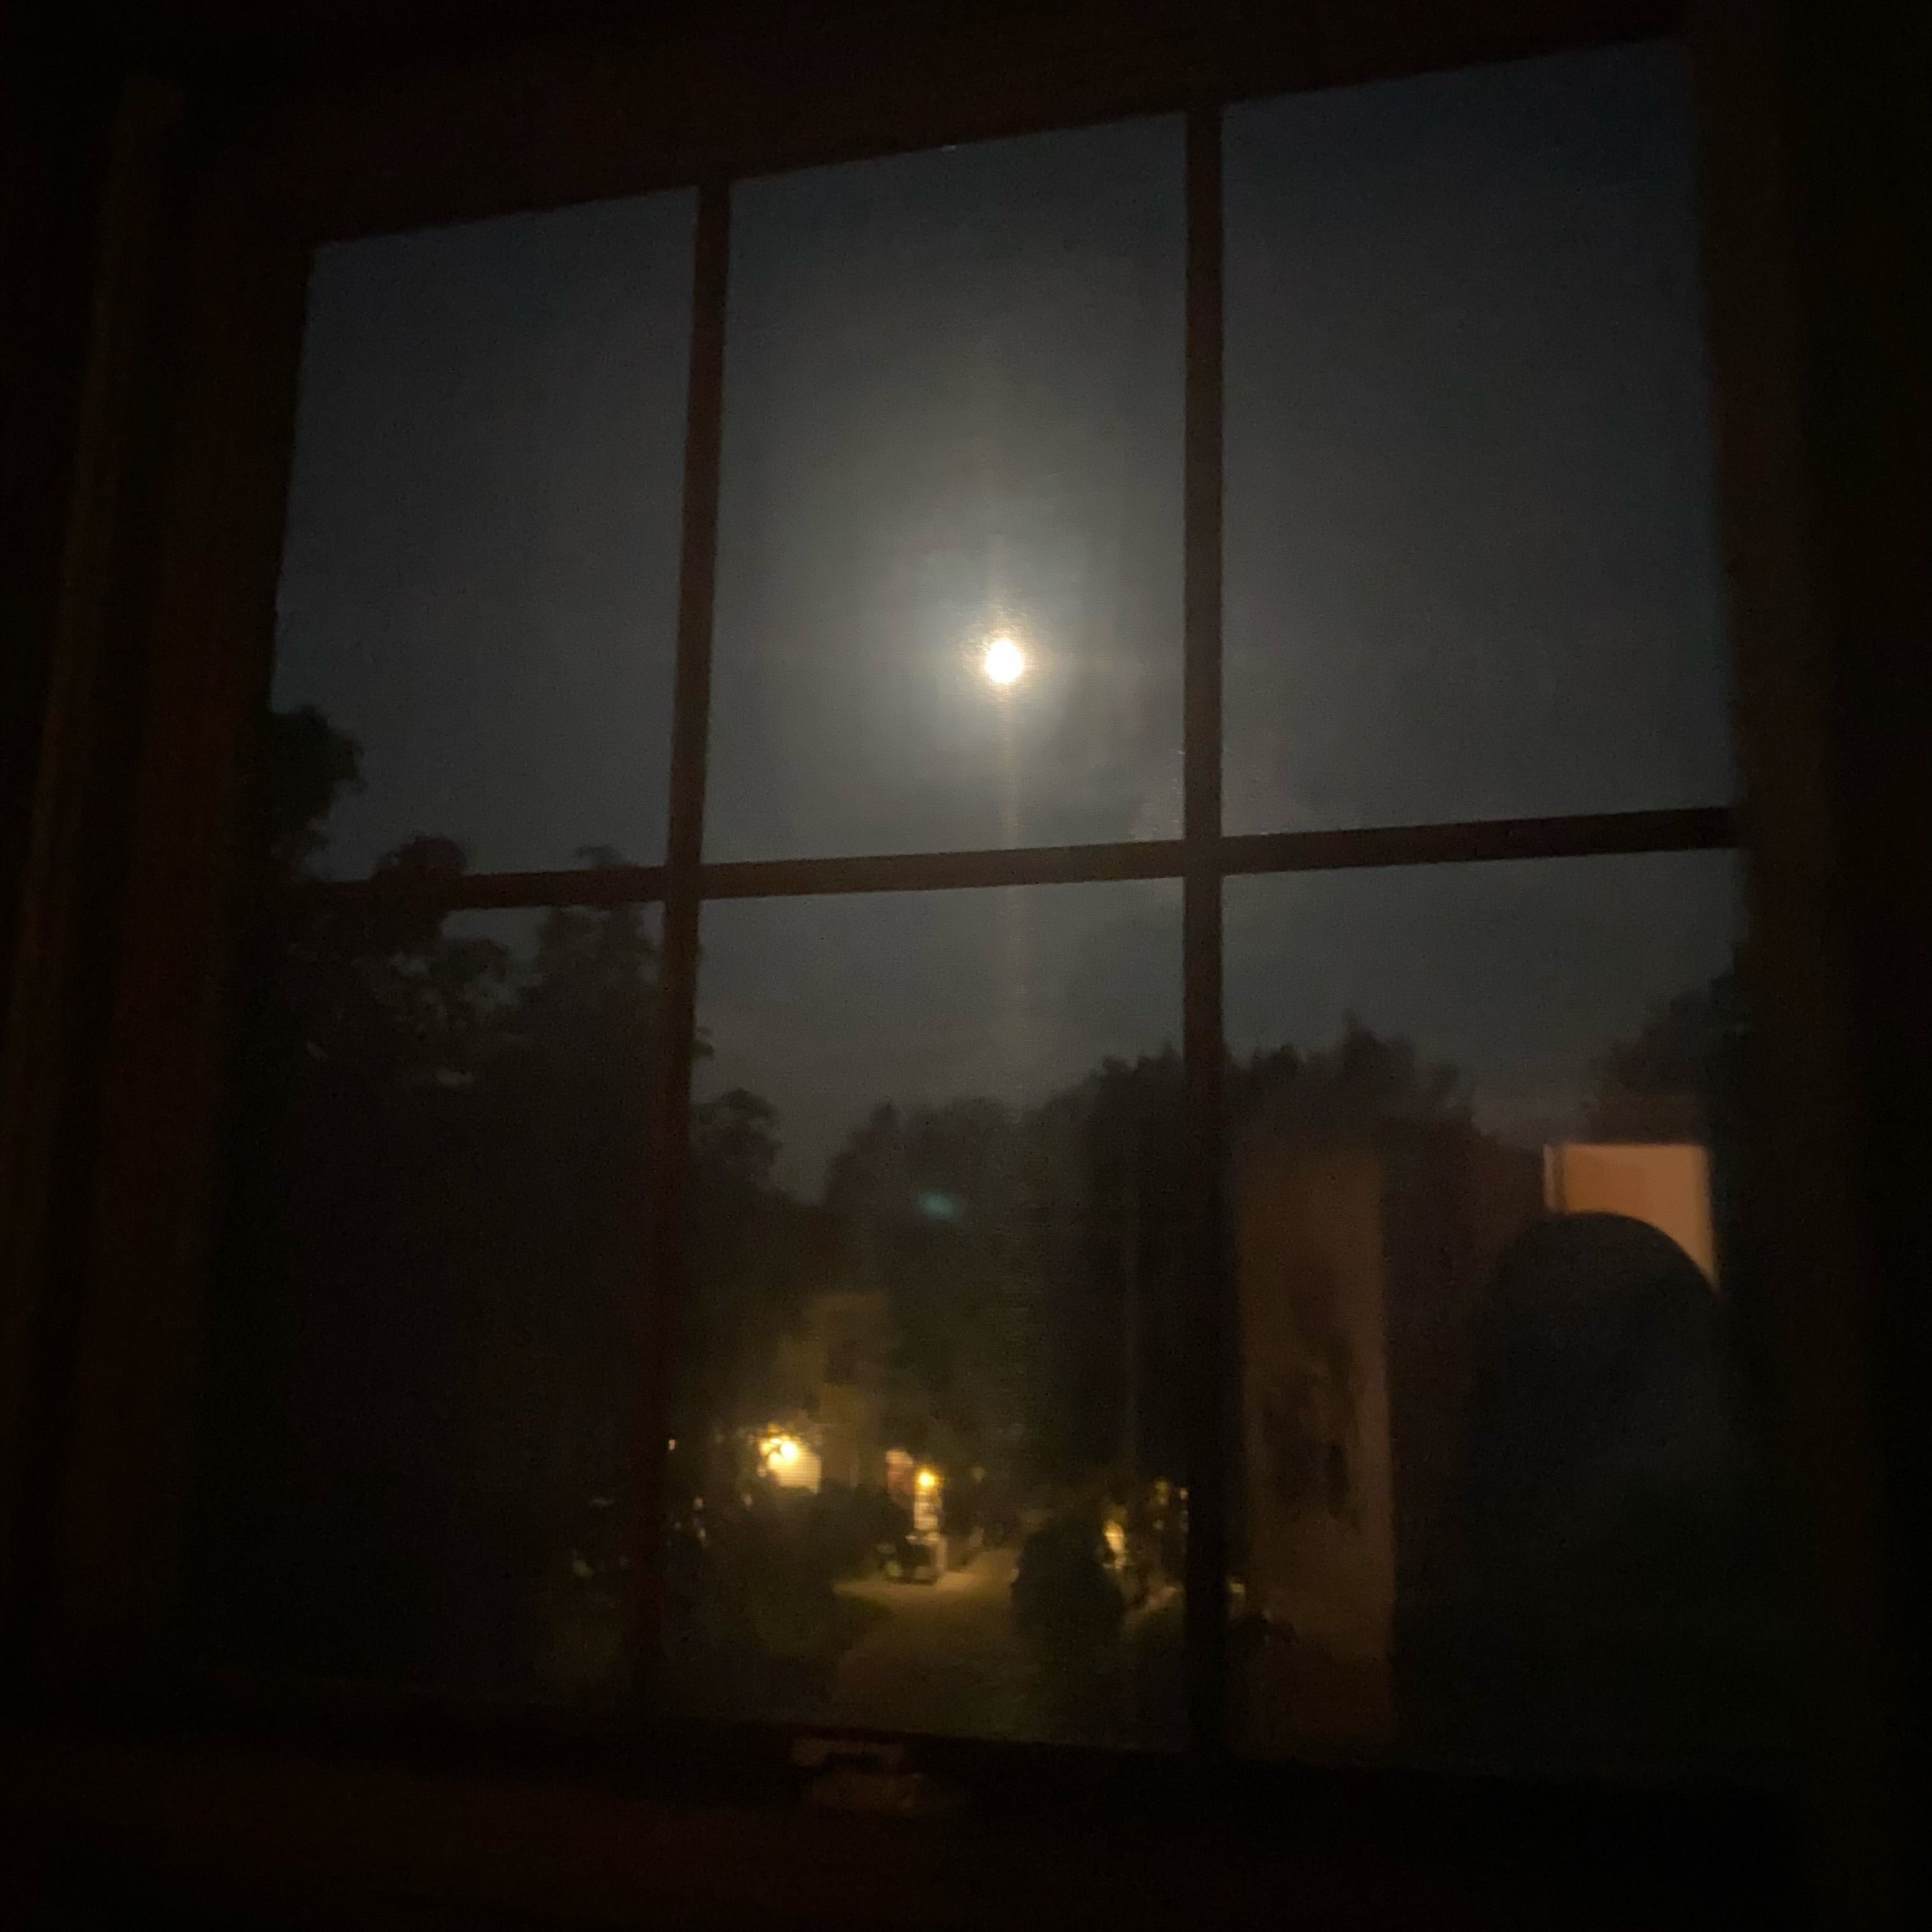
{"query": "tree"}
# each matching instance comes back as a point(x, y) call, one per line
point(1671, 1079)
point(433, 1267)
point(753, 1255)
point(1354, 1088)
point(311, 765)
point(431, 1270)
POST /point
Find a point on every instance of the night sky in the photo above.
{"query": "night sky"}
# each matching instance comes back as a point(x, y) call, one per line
point(1470, 572)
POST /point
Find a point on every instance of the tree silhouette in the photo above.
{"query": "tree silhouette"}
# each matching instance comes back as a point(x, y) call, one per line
point(1672, 1077)
point(424, 1352)
point(433, 1270)
point(1355, 1088)
point(753, 1255)
point(309, 765)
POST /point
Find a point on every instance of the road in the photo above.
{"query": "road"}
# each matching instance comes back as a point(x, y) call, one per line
point(946, 1659)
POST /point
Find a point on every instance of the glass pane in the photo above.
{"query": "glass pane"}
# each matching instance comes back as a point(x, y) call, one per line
point(1497, 1496)
point(1471, 564)
point(479, 583)
point(948, 592)
point(413, 1443)
point(927, 1431)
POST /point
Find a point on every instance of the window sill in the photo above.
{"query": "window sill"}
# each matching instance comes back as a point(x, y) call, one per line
point(734, 1833)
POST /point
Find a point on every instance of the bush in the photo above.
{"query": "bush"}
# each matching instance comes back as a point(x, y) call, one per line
point(1063, 1591)
point(755, 1626)
point(850, 1526)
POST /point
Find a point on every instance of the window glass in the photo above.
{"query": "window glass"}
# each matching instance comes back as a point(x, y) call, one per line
point(1498, 1497)
point(949, 577)
point(927, 1449)
point(1470, 568)
point(479, 581)
point(415, 1429)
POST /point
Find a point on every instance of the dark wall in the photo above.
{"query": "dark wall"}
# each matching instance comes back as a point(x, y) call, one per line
point(53, 130)
point(1864, 155)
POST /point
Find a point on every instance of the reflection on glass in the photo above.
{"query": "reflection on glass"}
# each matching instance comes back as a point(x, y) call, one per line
point(479, 583)
point(948, 587)
point(1471, 565)
point(413, 1438)
point(926, 1470)
point(1496, 1497)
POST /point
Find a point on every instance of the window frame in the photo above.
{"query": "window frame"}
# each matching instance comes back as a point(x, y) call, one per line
point(330, 163)
point(1200, 860)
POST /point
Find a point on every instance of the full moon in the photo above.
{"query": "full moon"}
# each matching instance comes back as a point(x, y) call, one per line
point(1005, 663)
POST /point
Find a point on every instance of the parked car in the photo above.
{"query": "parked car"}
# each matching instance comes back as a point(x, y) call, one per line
point(918, 1557)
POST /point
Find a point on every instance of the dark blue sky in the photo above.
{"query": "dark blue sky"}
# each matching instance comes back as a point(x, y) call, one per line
point(1470, 571)
point(1471, 565)
point(479, 580)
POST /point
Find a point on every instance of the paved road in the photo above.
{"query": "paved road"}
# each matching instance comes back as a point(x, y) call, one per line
point(946, 1659)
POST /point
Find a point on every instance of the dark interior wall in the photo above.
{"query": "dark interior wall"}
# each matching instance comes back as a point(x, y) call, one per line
point(54, 113)
point(1815, 208)
point(55, 116)
point(1862, 141)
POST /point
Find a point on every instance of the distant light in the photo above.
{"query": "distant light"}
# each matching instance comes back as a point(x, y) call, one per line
point(937, 1206)
point(1005, 663)
point(781, 1451)
point(927, 1479)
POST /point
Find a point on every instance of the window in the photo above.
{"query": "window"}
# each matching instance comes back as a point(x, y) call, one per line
point(419, 1393)
point(934, 1134)
point(1471, 572)
point(1112, 1125)
point(1497, 1495)
point(479, 582)
point(952, 416)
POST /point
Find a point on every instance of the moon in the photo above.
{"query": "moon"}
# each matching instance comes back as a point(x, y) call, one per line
point(1004, 663)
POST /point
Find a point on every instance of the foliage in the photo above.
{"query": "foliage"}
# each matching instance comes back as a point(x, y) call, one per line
point(426, 1354)
point(310, 764)
point(1006, 1239)
point(1665, 1081)
point(433, 1264)
point(1350, 1091)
